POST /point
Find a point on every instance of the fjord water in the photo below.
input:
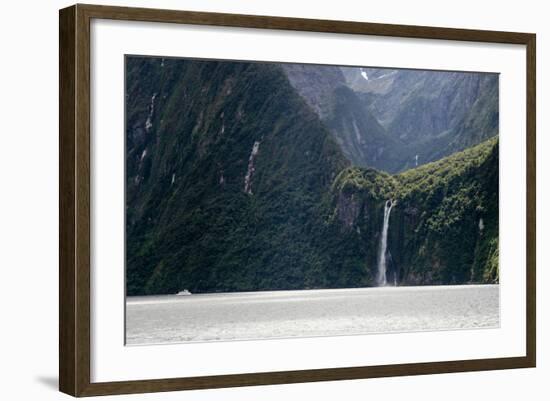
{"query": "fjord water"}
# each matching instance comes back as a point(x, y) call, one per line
point(307, 313)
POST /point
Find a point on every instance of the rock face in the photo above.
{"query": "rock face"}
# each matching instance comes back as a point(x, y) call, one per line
point(394, 120)
point(316, 84)
point(250, 176)
point(434, 235)
point(433, 115)
point(361, 137)
point(347, 209)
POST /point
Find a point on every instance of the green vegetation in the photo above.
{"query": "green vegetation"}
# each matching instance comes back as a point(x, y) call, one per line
point(234, 183)
point(444, 227)
point(448, 217)
point(190, 223)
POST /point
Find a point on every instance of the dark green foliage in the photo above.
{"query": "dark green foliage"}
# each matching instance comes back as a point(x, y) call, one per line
point(456, 206)
point(190, 223)
point(435, 234)
point(304, 218)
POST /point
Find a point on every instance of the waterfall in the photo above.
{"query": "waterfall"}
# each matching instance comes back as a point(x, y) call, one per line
point(384, 244)
point(149, 122)
point(251, 168)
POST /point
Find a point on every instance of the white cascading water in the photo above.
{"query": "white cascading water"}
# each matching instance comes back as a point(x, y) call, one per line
point(382, 281)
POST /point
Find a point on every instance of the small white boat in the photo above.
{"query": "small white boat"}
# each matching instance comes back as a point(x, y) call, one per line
point(184, 292)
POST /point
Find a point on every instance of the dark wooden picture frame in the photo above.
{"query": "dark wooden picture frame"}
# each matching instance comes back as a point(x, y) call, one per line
point(74, 203)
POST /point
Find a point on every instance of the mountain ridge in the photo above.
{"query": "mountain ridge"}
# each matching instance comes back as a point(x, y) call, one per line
point(234, 184)
point(416, 116)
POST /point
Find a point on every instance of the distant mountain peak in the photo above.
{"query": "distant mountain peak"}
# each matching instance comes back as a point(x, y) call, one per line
point(410, 116)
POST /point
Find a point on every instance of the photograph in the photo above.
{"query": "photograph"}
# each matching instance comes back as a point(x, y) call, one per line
point(268, 200)
point(253, 198)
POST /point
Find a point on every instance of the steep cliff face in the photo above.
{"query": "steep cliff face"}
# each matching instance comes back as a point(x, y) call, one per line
point(361, 137)
point(238, 180)
point(394, 120)
point(226, 170)
point(432, 114)
point(446, 228)
point(316, 84)
point(444, 225)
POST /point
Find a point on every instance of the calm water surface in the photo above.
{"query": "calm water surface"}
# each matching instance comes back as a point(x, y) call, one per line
point(280, 314)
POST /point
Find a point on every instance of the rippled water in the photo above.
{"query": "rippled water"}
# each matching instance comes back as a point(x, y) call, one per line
point(279, 314)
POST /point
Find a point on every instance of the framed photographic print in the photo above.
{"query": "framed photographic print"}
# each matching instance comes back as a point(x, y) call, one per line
point(250, 200)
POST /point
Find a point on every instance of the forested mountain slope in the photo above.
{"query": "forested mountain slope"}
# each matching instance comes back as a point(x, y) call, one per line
point(443, 228)
point(226, 168)
point(235, 182)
